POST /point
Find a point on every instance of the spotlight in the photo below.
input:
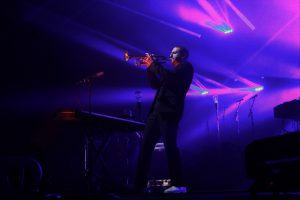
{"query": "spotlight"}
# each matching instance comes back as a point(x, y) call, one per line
point(204, 92)
point(220, 27)
point(257, 89)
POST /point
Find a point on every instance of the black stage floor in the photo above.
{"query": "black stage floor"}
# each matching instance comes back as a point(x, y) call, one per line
point(232, 195)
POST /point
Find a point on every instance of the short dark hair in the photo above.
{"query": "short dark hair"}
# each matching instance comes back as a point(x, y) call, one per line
point(184, 51)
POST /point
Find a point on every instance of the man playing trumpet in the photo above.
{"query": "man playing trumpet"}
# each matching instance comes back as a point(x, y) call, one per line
point(164, 115)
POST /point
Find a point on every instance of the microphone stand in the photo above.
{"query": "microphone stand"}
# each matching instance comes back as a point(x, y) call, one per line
point(237, 117)
point(215, 98)
point(138, 116)
point(251, 113)
point(88, 81)
point(87, 137)
point(138, 96)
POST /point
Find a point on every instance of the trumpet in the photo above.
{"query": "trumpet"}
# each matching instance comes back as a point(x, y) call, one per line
point(139, 58)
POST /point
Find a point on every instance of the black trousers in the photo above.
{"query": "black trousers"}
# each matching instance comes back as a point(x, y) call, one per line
point(157, 126)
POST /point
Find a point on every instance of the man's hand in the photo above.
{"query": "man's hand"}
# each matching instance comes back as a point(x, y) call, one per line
point(147, 60)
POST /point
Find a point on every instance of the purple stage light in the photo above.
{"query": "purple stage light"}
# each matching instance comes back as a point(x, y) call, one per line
point(213, 17)
point(211, 81)
point(220, 27)
point(257, 89)
point(241, 15)
point(218, 22)
point(193, 15)
point(247, 82)
point(295, 39)
point(210, 10)
point(220, 89)
point(194, 91)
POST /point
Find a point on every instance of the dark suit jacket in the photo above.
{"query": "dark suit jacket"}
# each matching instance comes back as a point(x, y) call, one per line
point(172, 87)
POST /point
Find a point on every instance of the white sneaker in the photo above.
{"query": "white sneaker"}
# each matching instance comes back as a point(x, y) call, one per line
point(175, 189)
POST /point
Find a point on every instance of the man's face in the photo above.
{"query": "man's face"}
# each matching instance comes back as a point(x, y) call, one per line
point(175, 55)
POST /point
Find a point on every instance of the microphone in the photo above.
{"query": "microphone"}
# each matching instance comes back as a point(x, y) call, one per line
point(88, 79)
point(215, 98)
